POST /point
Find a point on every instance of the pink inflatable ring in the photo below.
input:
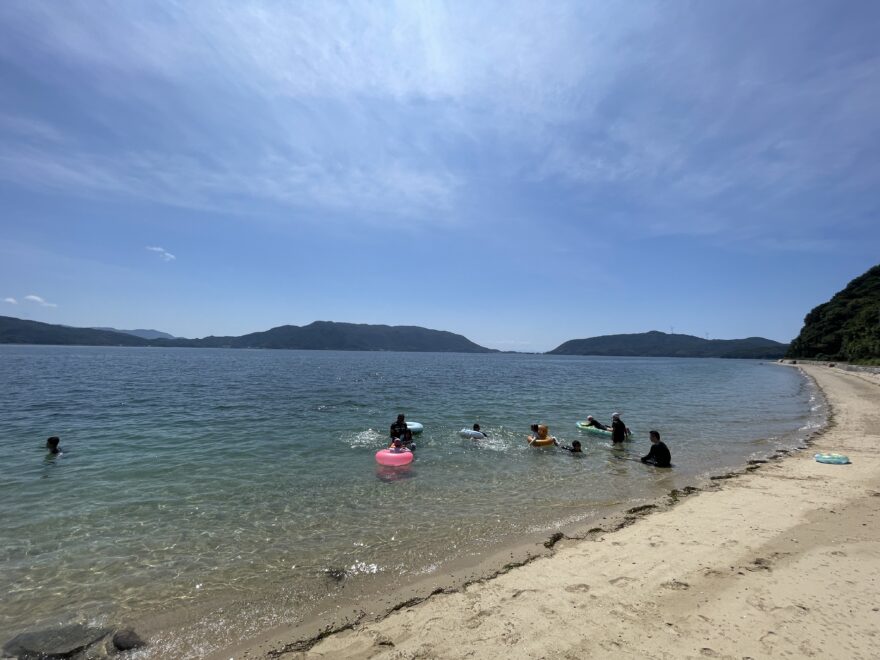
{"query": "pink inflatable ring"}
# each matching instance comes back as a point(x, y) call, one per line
point(394, 458)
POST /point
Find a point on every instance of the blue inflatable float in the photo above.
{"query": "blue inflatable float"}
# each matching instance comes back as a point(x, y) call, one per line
point(833, 459)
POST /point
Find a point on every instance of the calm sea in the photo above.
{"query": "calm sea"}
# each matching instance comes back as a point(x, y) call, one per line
point(205, 495)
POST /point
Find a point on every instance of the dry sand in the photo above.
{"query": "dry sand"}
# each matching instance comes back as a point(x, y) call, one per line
point(781, 561)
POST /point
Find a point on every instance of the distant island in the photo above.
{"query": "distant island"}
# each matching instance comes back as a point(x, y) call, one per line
point(660, 344)
point(847, 327)
point(320, 335)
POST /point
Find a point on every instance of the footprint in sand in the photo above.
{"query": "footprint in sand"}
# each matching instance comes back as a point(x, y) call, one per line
point(577, 588)
point(676, 585)
point(759, 564)
point(621, 580)
point(656, 541)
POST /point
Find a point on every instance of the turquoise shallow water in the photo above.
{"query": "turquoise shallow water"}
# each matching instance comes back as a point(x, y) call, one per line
point(215, 493)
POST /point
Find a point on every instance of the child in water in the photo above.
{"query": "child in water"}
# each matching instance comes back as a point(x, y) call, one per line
point(397, 445)
point(52, 445)
point(574, 449)
point(542, 435)
point(407, 439)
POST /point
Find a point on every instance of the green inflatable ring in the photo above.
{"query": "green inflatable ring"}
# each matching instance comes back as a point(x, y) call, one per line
point(833, 459)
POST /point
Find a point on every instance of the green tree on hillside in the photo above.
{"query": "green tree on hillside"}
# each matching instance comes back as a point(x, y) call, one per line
point(847, 327)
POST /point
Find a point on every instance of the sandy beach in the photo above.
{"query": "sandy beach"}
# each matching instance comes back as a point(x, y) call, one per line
point(779, 560)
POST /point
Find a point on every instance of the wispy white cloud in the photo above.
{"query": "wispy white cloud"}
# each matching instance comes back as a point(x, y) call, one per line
point(11, 301)
point(403, 112)
point(39, 300)
point(164, 255)
point(21, 127)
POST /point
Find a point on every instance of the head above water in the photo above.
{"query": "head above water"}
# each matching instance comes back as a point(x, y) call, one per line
point(543, 430)
point(615, 416)
point(655, 436)
point(576, 445)
point(476, 427)
point(52, 443)
point(589, 418)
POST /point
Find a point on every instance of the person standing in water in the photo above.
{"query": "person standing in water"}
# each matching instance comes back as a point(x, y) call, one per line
point(398, 428)
point(619, 432)
point(659, 455)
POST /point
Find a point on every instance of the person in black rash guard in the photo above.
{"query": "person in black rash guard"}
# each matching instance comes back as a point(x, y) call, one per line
point(596, 423)
point(659, 454)
point(574, 449)
point(407, 439)
point(398, 428)
point(618, 429)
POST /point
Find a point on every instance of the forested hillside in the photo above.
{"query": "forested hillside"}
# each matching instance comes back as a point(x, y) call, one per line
point(847, 327)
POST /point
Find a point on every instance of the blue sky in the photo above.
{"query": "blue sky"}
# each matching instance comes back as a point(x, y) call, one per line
point(520, 173)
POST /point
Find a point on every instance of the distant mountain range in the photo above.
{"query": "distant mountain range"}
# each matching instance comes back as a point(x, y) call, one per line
point(328, 335)
point(660, 344)
point(143, 334)
point(320, 335)
point(20, 331)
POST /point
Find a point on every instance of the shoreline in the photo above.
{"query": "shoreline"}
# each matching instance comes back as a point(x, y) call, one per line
point(311, 639)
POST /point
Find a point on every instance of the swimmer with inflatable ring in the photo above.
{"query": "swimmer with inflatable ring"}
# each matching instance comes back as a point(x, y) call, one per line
point(543, 437)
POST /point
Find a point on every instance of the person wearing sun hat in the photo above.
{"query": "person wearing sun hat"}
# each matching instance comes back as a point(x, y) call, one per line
point(619, 432)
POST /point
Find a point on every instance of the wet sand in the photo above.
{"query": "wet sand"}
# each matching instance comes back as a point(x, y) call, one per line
point(781, 559)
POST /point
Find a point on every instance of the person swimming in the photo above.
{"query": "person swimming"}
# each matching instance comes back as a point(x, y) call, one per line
point(591, 421)
point(479, 430)
point(574, 449)
point(52, 445)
